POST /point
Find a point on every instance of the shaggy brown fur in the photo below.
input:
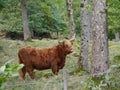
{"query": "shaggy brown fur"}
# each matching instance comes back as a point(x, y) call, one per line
point(43, 58)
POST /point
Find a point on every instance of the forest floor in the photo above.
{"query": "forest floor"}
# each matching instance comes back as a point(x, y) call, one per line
point(45, 80)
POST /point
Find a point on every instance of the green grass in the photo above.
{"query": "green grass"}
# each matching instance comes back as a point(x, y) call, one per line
point(45, 80)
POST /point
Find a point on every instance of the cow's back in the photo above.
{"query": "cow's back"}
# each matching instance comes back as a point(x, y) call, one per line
point(43, 57)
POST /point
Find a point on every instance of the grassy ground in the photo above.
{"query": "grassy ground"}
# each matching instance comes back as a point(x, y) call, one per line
point(45, 80)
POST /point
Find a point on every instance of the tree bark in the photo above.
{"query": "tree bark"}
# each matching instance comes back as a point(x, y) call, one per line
point(26, 31)
point(117, 36)
point(71, 19)
point(85, 35)
point(100, 60)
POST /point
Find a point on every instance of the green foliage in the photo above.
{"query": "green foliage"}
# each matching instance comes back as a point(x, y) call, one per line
point(10, 19)
point(117, 57)
point(8, 70)
point(1, 4)
point(76, 14)
point(113, 17)
point(42, 16)
point(51, 16)
point(111, 34)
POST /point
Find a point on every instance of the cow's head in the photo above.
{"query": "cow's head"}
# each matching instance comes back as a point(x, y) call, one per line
point(66, 46)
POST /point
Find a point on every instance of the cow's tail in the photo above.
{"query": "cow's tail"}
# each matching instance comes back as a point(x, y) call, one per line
point(20, 71)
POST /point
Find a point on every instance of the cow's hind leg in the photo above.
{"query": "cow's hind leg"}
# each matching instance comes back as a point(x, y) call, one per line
point(29, 69)
point(22, 72)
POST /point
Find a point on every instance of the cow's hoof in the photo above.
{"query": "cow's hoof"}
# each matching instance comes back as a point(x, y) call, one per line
point(56, 73)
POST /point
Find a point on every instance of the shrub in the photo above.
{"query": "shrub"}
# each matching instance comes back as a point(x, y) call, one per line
point(8, 70)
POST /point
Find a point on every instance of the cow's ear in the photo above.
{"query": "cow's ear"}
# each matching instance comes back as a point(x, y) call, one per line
point(71, 41)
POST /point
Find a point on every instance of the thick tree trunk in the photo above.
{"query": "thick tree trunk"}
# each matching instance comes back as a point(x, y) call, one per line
point(85, 35)
point(71, 19)
point(100, 61)
point(26, 31)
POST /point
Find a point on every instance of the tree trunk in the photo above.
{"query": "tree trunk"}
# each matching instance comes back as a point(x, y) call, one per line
point(90, 21)
point(100, 62)
point(26, 31)
point(71, 19)
point(117, 36)
point(85, 35)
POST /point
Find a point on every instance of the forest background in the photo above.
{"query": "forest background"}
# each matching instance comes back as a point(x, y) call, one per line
point(51, 16)
point(49, 19)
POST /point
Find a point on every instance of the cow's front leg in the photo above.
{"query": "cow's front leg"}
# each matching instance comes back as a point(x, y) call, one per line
point(62, 64)
point(55, 68)
point(30, 71)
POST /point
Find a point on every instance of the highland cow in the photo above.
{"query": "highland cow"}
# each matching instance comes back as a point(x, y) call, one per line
point(44, 58)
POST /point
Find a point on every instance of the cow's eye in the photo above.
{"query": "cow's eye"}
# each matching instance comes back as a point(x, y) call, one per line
point(66, 45)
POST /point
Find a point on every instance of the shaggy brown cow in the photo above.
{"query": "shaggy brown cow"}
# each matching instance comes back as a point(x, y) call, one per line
point(44, 58)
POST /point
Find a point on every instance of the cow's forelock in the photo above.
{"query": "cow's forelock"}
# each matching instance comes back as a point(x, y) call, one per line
point(67, 46)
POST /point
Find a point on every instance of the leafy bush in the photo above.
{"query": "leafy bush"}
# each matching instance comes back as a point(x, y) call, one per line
point(8, 70)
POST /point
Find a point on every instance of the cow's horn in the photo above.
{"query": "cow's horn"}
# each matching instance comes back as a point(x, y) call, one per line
point(72, 38)
point(59, 41)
